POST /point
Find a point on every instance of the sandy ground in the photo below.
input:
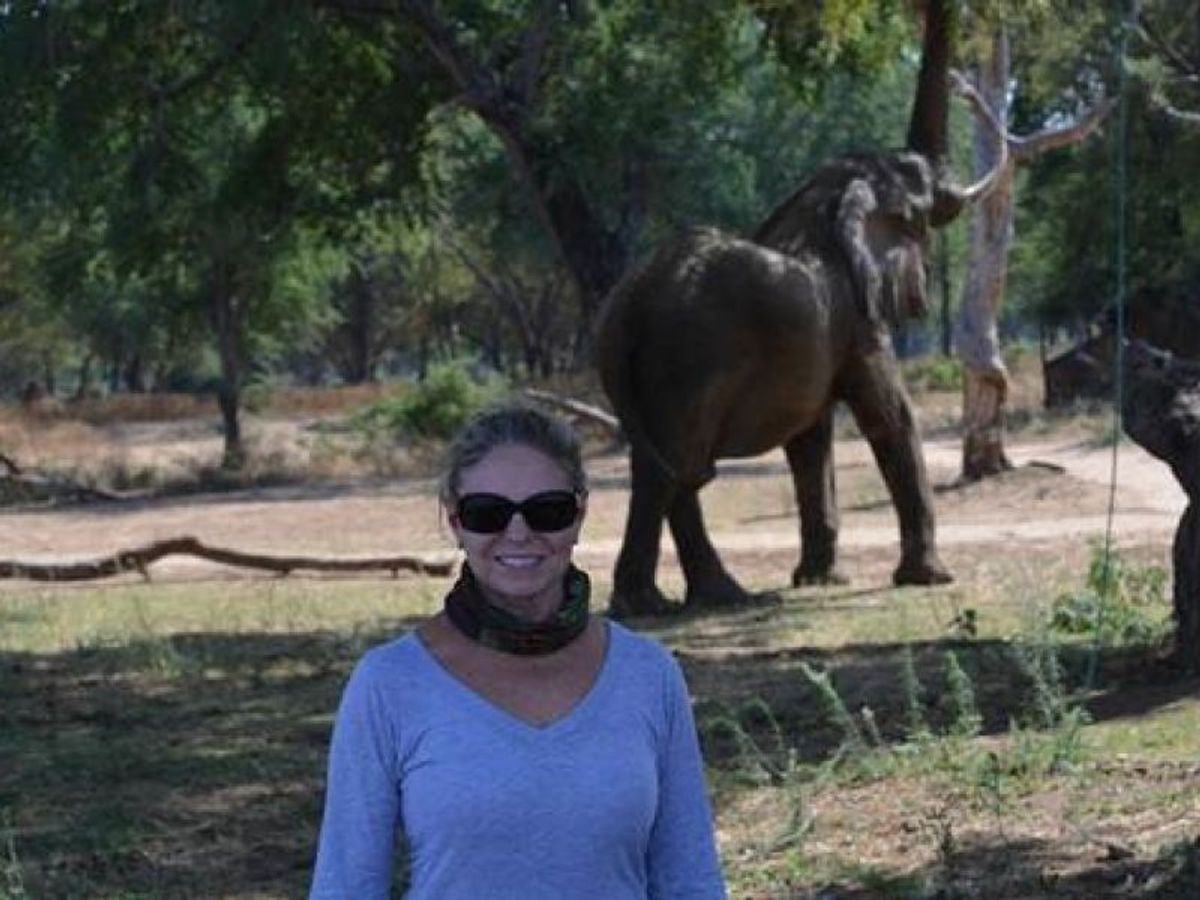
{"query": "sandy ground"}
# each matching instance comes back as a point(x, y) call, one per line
point(1059, 490)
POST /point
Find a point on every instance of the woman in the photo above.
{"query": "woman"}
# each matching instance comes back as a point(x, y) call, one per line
point(522, 747)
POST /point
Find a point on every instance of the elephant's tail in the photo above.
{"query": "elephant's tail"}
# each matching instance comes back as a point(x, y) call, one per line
point(617, 348)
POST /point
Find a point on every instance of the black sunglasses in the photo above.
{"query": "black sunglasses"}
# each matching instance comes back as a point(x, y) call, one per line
point(491, 513)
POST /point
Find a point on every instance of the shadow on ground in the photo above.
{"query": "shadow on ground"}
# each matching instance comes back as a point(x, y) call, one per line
point(193, 766)
point(973, 869)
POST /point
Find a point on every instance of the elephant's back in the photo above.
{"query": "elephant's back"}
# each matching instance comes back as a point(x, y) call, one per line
point(722, 345)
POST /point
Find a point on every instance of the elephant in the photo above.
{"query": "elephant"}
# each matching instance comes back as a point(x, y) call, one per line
point(723, 346)
point(1160, 410)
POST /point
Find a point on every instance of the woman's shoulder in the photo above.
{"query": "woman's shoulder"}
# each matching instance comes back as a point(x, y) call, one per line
point(400, 655)
point(638, 648)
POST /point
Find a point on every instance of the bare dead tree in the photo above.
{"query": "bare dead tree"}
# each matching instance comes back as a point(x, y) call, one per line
point(985, 382)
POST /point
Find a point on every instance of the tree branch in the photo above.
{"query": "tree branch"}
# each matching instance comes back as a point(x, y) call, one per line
point(1025, 148)
point(1154, 37)
point(1032, 146)
point(1180, 115)
point(965, 89)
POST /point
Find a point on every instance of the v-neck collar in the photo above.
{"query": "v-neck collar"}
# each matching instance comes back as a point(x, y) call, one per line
point(510, 721)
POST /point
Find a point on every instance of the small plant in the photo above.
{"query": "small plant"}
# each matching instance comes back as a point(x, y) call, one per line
point(777, 764)
point(914, 704)
point(966, 720)
point(1126, 604)
point(774, 764)
point(835, 710)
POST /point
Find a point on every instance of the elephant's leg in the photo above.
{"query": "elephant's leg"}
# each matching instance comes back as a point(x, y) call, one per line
point(810, 457)
point(1186, 559)
point(876, 394)
point(634, 590)
point(708, 583)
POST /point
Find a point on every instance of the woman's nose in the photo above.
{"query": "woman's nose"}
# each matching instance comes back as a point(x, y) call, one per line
point(518, 528)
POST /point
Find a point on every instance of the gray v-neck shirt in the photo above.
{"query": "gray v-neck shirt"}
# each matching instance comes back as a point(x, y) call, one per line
point(606, 802)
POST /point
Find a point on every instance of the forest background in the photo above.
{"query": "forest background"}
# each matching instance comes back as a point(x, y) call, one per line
point(210, 197)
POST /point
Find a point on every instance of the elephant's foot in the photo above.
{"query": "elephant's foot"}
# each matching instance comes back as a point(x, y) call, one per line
point(925, 569)
point(811, 575)
point(633, 603)
point(716, 592)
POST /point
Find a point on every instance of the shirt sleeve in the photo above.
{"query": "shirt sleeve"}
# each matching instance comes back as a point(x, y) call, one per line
point(682, 856)
point(356, 850)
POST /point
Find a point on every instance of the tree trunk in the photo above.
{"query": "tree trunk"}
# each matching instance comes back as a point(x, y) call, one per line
point(594, 254)
point(48, 375)
point(84, 389)
point(360, 327)
point(227, 326)
point(985, 378)
point(134, 374)
point(927, 127)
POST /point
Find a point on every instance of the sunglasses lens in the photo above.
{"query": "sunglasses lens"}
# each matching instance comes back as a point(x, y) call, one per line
point(490, 513)
point(551, 511)
point(485, 513)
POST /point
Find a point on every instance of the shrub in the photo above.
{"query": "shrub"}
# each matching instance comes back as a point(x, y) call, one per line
point(1126, 602)
point(435, 408)
point(938, 373)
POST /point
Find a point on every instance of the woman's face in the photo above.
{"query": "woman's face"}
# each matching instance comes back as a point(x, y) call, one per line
point(518, 568)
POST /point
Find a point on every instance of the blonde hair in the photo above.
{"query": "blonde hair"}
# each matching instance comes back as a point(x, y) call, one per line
point(512, 422)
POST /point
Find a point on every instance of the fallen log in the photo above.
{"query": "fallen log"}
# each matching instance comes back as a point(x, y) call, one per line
point(139, 559)
point(37, 488)
point(20, 485)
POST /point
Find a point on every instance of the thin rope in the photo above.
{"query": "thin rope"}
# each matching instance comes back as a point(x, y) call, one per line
point(1120, 161)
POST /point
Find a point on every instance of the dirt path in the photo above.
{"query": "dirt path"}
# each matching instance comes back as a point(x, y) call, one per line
point(749, 508)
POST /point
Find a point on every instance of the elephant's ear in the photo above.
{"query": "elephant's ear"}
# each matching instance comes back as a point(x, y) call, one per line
point(857, 203)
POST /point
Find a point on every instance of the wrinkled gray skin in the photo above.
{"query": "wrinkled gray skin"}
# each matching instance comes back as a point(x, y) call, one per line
point(724, 347)
point(1161, 411)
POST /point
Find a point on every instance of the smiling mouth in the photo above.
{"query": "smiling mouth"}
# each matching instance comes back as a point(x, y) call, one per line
point(519, 562)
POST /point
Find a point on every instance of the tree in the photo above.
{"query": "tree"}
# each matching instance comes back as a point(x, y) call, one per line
point(206, 143)
point(1141, 180)
point(589, 101)
point(985, 381)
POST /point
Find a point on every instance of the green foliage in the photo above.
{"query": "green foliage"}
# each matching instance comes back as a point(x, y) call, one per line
point(1049, 736)
point(434, 408)
point(835, 709)
point(933, 373)
point(1121, 603)
point(914, 691)
point(964, 711)
point(767, 760)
